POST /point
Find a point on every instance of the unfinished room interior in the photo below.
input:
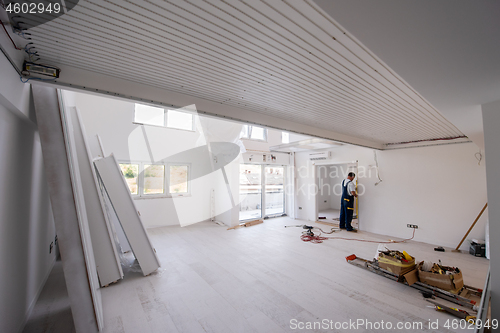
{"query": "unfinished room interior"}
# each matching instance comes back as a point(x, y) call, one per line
point(249, 166)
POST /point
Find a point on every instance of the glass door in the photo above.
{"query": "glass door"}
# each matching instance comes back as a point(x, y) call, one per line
point(250, 191)
point(274, 190)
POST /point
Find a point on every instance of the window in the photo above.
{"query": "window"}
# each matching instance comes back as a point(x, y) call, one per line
point(180, 120)
point(254, 133)
point(147, 180)
point(131, 173)
point(285, 137)
point(179, 176)
point(149, 115)
point(154, 179)
point(244, 132)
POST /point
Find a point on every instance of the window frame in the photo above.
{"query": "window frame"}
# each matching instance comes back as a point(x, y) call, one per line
point(283, 135)
point(146, 124)
point(142, 194)
point(165, 115)
point(166, 180)
point(184, 194)
point(165, 119)
point(249, 133)
point(138, 176)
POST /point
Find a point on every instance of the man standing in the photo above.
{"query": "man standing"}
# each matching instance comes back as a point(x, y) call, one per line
point(347, 202)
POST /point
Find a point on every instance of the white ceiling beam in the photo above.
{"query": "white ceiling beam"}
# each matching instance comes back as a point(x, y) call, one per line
point(92, 82)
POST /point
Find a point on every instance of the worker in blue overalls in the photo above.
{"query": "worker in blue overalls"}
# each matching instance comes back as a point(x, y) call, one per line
point(347, 202)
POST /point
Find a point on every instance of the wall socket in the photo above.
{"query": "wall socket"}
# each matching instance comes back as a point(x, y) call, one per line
point(300, 207)
point(414, 226)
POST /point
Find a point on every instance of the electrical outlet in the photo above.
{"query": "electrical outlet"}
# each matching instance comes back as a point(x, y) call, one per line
point(300, 207)
point(414, 226)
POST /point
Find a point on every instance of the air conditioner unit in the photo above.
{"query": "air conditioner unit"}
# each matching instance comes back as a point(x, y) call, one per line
point(324, 155)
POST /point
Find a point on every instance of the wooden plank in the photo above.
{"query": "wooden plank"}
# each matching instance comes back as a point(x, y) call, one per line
point(247, 224)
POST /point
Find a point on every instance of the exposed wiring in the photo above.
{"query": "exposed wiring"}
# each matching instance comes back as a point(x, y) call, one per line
point(376, 164)
point(35, 78)
point(13, 43)
point(30, 53)
point(316, 239)
point(479, 157)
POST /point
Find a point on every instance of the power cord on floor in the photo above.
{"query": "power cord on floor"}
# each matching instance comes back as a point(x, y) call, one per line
point(309, 236)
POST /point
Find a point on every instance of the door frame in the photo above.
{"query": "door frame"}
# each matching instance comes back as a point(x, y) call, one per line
point(315, 211)
point(263, 189)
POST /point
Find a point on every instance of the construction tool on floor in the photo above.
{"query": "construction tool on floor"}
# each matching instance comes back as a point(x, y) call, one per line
point(309, 236)
point(309, 229)
point(372, 266)
point(453, 311)
point(470, 229)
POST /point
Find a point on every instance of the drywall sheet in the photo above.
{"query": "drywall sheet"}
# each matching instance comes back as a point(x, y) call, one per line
point(106, 257)
point(123, 204)
point(122, 242)
point(68, 207)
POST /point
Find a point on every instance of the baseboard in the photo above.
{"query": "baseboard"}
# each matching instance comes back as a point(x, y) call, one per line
point(35, 299)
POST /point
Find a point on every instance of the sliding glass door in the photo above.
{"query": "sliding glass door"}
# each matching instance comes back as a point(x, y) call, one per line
point(258, 179)
point(274, 191)
point(250, 191)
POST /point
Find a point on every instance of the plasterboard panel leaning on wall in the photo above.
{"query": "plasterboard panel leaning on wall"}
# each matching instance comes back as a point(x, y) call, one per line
point(108, 264)
point(123, 204)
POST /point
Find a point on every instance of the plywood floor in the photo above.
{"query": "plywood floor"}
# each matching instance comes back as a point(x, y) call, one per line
point(258, 279)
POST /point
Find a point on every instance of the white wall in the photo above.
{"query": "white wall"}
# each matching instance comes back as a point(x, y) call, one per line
point(26, 224)
point(324, 190)
point(491, 117)
point(112, 120)
point(441, 189)
point(335, 183)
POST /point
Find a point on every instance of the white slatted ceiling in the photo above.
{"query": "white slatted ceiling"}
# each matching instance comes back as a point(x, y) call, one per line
point(281, 58)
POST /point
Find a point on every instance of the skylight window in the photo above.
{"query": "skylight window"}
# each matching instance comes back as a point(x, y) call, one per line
point(285, 137)
point(180, 120)
point(149, 115)
point(254, 133)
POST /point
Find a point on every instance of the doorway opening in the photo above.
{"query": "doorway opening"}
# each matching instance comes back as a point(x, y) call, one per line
point(329, 184)
point(262, 191)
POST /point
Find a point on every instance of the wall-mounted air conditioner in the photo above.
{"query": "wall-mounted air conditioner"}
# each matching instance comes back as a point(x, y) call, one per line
point(320, 155)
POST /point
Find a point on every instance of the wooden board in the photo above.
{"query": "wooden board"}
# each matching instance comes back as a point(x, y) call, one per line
point(247, 224)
